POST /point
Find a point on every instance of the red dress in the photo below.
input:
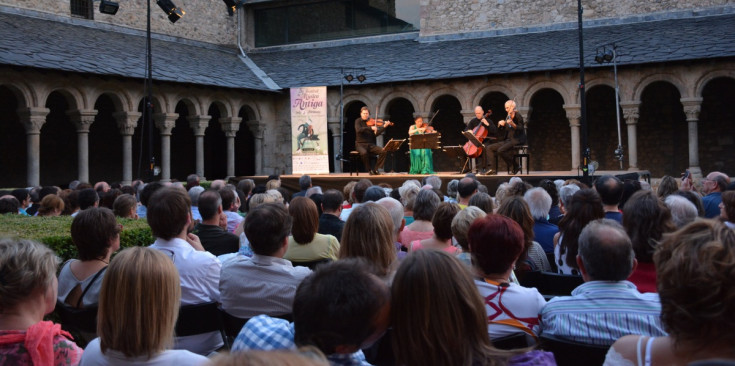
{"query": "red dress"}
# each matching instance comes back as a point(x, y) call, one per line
point(644, 277)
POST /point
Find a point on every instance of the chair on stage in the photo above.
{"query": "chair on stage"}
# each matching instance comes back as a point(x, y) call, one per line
point(520, 152)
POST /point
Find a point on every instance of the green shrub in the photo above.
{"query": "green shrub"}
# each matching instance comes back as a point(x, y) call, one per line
point(55, 232)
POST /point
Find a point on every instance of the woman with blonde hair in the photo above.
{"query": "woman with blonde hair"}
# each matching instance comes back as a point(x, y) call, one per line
point(27, 293)
point(368, 233)
point(460, 226)
point(138, 308)
point(439, 317)
point(305, 244)
point(51, 205)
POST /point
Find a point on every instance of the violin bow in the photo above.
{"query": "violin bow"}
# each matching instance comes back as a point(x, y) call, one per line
point(432, 118)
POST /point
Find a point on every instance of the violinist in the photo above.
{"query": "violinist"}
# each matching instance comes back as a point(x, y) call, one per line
point(366, 130)
point(510, 134)
point(482, 118)
point(421, 159)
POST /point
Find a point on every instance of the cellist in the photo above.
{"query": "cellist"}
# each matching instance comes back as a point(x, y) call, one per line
point(491, 129)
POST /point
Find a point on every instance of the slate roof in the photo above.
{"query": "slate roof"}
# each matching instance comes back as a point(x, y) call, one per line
point(405, 60)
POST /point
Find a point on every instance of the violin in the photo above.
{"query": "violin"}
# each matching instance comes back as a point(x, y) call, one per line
point(378, 122)
point(480, 133)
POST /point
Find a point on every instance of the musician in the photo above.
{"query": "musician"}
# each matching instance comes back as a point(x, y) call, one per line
point(510, 134)
point(491, 130)
point(366, 129)
point(422, 160)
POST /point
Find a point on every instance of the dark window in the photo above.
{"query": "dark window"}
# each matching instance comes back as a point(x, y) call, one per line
point(335, 19)
point(82, 9)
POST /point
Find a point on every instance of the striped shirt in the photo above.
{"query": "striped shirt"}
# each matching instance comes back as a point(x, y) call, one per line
point(600, 312)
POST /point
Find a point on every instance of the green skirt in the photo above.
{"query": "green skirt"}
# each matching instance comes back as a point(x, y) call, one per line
point(422, 161)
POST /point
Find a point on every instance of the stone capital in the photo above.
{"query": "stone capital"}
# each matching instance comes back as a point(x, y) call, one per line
point(256, 127)
point(574, 113)
point(33, 119)
point(333, 127)
point(165, 122)
point(630, 111)
point(127, 121)
point(692, 107)
point(82, 119)
point(230, 125)
point(199, 124)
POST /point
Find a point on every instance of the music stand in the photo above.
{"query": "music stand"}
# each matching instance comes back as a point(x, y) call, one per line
point(424, 141)
point(459, 153)
point(471, 137)
point(391, 147)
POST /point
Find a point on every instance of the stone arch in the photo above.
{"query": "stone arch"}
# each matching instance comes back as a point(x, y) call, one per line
point(74, 98)
point(192, 103)
point(388, 98)
point(25, 95)
point(547, 129)
point(702, 81)
point(440, 92)
point(222, 108)
point(650, 79)
point(716, 125)
point(13, 141)
point(662, 130)
point(533, 88)
point(483, 92)
point(252, 111)
point(356, 97)
point(245, 141)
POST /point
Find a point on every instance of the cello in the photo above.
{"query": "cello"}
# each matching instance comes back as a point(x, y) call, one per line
point(480, 133)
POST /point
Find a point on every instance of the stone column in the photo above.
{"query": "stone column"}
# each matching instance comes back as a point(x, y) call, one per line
point(630, 114)
point(230, 125)
point(126, 122)
point(692, 107)
point(165, 122)
point(333, 125)
point(82, 119)
point(199, 124)
point(258, 129)
point(32, 120)
point(574, 114)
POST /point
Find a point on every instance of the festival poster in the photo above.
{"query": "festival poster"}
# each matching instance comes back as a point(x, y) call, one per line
point(309, 145)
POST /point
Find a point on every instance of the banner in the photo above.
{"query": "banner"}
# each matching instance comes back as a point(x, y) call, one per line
point(309, 137)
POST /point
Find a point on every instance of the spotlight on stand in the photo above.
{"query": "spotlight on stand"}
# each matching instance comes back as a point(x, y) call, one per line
point(109, 7)
point(349, 78)
point(171, 10)
point(233, 5)
point(361, 78)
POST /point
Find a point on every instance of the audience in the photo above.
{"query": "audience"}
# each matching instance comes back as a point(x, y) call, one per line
point(139, 304)
point(215, 239)
point(610, 190)
point(539, 204)
point(682, 210)
point(713, 185)
point(727, 208)
point(442, 237)
point(533, 257)
point(395, 209)
point(451, 196)
point(304, 185)
point(421, 228)
point(566, 193)
point(460, 226)
point(584, 207)
point(9, 205)
point(230, 205)
point(51, 205)
point(554, 213)
point(408, 192)
point(465, 189)
point(329, 221)
point(358, 195)
point(306, 356)
point(483, 201)
point(145, 193)
point(666, 187)
point(194, 193)
point(376, 245)
point(125, 206)
point(305, 244)
point(24, 200)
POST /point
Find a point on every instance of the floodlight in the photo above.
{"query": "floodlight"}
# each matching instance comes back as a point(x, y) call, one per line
point(171, 10)
point(109, 7)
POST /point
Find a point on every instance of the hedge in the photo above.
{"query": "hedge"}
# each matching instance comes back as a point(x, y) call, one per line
point(55, 232)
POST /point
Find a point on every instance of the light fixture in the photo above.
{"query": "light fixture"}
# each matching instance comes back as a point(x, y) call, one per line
point(171, 10)
point(361, 78)
point(109, 7)
point(233, 5)
point(349, 78)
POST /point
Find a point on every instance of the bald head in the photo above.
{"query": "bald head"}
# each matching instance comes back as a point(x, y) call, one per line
point(606, 251)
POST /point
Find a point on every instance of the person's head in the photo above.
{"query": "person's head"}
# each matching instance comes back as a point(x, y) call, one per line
point(332, 200)
point(192, 180)
point(566, 193)
point(304, 356)
point(715, 182)
point(139, 303)
point(395, 209)
point(229, 199)
point(516, 209)
point(314, 191)
point(374, 244)
point(605, 252)
point(341, 307)
point(610, 189)
point(87, 198)
point(694, 279)
point(510, 106)
point(210, 204)
point(51, 205)
point(438, 316)
point(364, 113)
point(727, 206)
point(666, 187)
point(373, 193)
point(408, 192)
point(27, 269)
point(347, 191)
point(461, 224)
point(442, 220)
point(584, 207)
point(21, 194)
point(539, 202)
point(169, 212)
point(261, 198)
point(358, 192)
point(479, 112)
point(496, 242)
point(107, 199)
point(551, 189)
point(246, 186)
point(646, 219)
point(425, 205)
point(148, 190)
point(96, 233)
point(194, 193)
point(218, 184)
point(466, 187)
point(125, 206)
point(452, 188)
point(630, 186)
point(101, 187)
point(305, 219)
point(419, 121)
point(694, 198)
point(682, 210)
point(267, 227)
point(71, 204)
point(434, 181)
point(304, 182)
point(482, 201)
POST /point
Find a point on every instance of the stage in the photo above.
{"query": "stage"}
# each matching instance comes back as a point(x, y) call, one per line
point(395, 180)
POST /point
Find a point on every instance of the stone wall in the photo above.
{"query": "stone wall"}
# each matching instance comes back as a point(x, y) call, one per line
point(204, 20)
point(457, 16)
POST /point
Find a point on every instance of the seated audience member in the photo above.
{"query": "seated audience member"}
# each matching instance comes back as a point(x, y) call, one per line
point(553, 192)
point(35, 193)
point(533, 257)
point(585, 207)
point(246, 186)
point(439, 318)
point(357, 195)
point(305, 356)
point(24, 200)
point(87, 198)
point(682, 210)
point(139, 304)
point(305, 244)
point(51, 205)
point(694, 198)
point(145, 194)
point(610, 190)
point(496, 243)
point(102, 187)
point(460, 226)
point(727, 208)
point(605, 259)
point(218, 184)
point(442, 237)
point(539, 203)
point(169, 216)
point(339, 329)
point(565, 199)
point(194, 193)
point(192, 180)
point(347, 192)
point(395, 209)
point(373, 193)
point(696, 279)
point(646, 219)
point(254, 201)
point(630, 186)
point(424, 206)
point(107, 199)
point(9, 205)
point(483, 201)
point(376, 244)
point(265, 283)
point(304, 185)
point(27, 294)
point(666, 187)
point(230, 204)
point(329, 221)
point(451, 196)
point(125, 206)
point(214, 238)
point(466, 188)
point(71, 204)
point(712, 185)
point(96, 235)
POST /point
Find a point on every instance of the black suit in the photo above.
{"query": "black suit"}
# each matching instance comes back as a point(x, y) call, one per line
point(365, 140)
point(508, 137)
point(331, 225)
point(217, 240)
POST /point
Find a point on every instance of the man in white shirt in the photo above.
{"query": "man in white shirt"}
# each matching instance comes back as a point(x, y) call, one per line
point(169, 216)
point(230, 204)
point(265, 283)
point(358, 194)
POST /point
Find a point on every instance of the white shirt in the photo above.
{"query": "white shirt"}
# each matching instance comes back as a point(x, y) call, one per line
point(347, 211)
point(93, 356)
point(233, 219)
point(199, 275)
point(259, 285)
